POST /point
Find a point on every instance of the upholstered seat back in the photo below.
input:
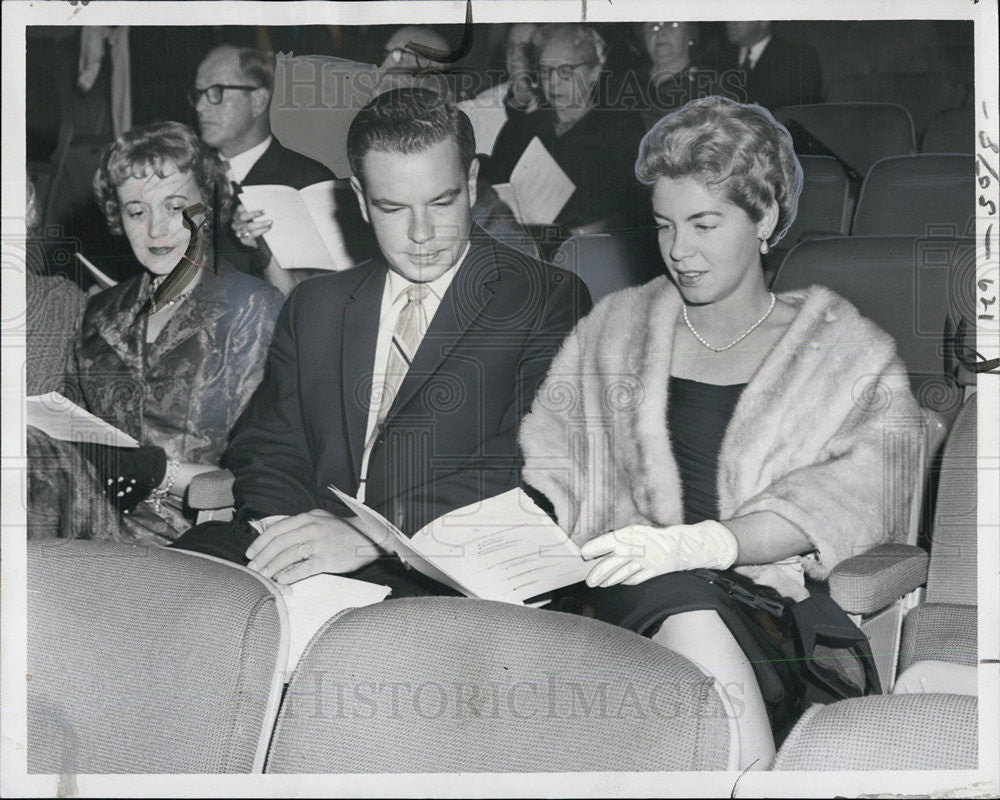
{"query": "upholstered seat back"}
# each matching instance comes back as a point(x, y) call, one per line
point(458, 685)
point(148, 660)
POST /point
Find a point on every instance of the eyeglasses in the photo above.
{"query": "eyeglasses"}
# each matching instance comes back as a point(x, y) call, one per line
point(214, 92)
point(656, 27)
point(394, 57)
point(564, 71)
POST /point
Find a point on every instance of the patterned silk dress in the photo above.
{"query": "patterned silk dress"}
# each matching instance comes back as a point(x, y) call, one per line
point(182, 392)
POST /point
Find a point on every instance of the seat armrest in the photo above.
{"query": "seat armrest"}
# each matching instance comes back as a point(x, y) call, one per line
point(211, 490)
point(871, 581)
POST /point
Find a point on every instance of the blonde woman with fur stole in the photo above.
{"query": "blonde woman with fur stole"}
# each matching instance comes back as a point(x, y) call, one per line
point(700, 421)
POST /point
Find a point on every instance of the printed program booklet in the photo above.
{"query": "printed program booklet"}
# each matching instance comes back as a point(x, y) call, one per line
point(503, 548)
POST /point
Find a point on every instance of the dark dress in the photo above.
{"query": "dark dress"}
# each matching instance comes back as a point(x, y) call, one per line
point(697, 416)
point(597, 153)
point(672, 93)
point(182, 393)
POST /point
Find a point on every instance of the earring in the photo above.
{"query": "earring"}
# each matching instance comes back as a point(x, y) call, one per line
point(764, 249)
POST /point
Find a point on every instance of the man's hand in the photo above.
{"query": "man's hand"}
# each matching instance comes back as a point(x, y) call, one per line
point(309, 544)
point(248, 227)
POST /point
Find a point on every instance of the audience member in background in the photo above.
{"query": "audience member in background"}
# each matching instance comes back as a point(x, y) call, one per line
point(362, 373)
point(673, 79)
point(520, 89)
point(591, 139)
point(777, 72)
point(402, 67)
point(749, 430)
point(232, 100)
point(53, 310)
point(175, 380)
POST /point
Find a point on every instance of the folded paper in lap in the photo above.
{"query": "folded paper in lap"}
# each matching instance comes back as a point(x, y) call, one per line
point(63, 419)
point(503, 548)
point(305, 232)
point(313, 600)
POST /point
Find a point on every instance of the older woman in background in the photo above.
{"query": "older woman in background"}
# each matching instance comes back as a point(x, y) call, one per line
point(591, 138)
point(174, 379)
point(701, 421)
point(673, 79)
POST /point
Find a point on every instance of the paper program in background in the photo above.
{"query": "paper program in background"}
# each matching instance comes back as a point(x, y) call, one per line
point(538, 188)
point(63, 419)
point(305, 232)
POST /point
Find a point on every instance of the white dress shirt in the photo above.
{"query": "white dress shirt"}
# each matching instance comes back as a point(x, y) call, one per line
point(393, 301)
point(749, 58)
point(241, 164)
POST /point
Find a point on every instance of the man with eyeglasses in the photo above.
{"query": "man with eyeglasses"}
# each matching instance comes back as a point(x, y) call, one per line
point(232, 99)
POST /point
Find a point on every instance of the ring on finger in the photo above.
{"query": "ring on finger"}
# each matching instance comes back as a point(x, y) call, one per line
point(305, 551)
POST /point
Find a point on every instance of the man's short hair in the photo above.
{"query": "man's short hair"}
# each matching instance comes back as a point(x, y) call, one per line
point(258, 66)
point(741, 149)
point(408, 121)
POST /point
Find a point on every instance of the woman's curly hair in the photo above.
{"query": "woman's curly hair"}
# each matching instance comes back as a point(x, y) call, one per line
point(151, 147)
point(740, 148)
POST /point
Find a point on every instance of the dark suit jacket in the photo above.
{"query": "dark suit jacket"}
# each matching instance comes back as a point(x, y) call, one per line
point(451, 436)
point(786, 74)
point(281, 166)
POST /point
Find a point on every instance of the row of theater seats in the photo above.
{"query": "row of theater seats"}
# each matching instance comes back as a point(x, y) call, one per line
point(901, 195)
point(146, 660)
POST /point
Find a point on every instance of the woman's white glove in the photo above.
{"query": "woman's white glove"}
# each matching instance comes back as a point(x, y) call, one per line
point(639, 552)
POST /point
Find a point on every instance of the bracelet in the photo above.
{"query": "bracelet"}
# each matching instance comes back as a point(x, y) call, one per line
point(157, 496)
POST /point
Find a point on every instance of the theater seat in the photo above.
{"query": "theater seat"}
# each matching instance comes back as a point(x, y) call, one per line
point(920, 92)
point(918, 195)
point(938, 652)
point(148, 660)
point(859, 133)
point(825, 203)
point(881, 732)
point(439, 684)
point(951, 132)
point(607, 262)
point(907, 285)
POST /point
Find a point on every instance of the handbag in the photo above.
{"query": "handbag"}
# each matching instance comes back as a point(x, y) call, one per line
point(801, 652)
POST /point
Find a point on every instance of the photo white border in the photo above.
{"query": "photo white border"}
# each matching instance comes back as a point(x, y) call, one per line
point(17, 14)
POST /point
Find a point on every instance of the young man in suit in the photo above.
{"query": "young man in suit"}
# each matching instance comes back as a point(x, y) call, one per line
point(402, 381)
point(778, 72)
point(232, 100)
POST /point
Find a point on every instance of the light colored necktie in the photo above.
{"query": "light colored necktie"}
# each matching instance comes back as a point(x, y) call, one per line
point(410, 329)
point(745, 58)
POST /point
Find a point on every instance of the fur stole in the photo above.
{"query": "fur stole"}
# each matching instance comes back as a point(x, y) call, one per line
point(826, 433)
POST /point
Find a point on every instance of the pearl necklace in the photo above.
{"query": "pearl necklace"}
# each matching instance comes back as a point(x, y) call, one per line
point(156, 283)
point(736, 341)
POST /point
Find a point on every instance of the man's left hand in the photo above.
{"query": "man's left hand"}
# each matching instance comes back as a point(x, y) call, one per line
point(309, 544)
